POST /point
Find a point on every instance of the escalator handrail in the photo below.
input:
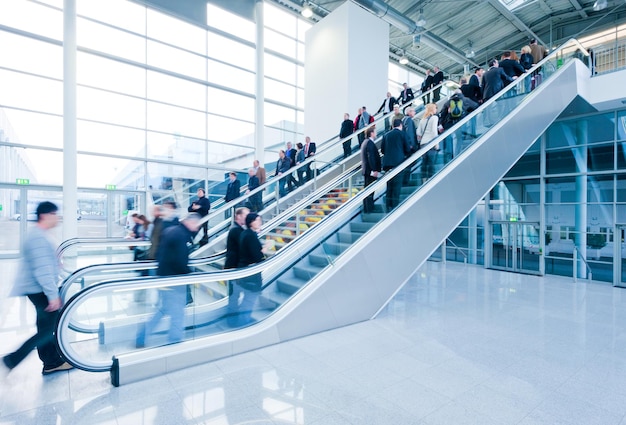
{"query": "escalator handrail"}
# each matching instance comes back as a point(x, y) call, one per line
point(195, 262)
point(304, 244)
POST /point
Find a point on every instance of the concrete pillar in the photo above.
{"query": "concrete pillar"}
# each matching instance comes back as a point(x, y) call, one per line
point(347, 66)
point(70, 186)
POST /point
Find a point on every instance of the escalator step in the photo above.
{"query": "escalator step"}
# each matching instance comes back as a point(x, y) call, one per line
point(348, 237)
point(372, 217)
point(289, 285)
point(306, 272)
point(360, 226)
point(321, 260)
point(335, 248)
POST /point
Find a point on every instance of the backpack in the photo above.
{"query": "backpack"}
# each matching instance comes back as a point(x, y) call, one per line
point(456, 107)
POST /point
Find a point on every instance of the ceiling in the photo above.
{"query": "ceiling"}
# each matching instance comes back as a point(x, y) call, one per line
point(488, 27)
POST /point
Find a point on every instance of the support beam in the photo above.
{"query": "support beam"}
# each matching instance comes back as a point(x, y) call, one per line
point(514, 19)
point(580, 10)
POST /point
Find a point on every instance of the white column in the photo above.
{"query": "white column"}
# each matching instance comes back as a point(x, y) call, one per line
point(347, 66)
point(70, 188)
point(259, 140)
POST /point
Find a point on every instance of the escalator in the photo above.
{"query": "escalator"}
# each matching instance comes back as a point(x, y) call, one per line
point(85, 261)
point(346, 268)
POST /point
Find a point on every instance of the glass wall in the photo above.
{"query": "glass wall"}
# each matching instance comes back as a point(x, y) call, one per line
point(580, 165)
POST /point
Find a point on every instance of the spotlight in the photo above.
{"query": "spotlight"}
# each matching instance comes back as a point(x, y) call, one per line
point(307, 12)
point(599, 5)
point(470, 54)
point(403, 60)
point(421, 21)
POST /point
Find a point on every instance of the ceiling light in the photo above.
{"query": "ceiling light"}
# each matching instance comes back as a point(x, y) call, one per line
point(403, 60)
point(470, 54)
point(599, 5)
point(421, 21)
point(307, 12)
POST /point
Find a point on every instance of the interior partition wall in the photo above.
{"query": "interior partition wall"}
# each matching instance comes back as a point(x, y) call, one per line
point(561, 209)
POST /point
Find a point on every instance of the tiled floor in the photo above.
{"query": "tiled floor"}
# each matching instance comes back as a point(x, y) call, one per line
point(458, 345)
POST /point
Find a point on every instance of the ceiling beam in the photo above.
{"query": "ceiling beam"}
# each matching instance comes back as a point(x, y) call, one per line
point(578, 7)
point(502, 9)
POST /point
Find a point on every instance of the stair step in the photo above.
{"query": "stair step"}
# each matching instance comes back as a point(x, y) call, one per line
point(321, 260)
point(360, 226)
point(372, 217)
point(306, 271)
point(348, 237)
point(289, 285)
point(335, 248)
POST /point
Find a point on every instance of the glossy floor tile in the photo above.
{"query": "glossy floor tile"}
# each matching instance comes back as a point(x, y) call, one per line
point(457, 345)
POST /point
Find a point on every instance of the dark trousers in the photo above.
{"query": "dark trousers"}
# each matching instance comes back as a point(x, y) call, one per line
point(394, 186)
point(347, 148)
point(436, 93)
point(205, 236)
point(368, 202)
point(43, 339)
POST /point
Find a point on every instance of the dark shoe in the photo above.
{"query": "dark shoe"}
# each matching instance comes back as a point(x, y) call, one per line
point(63, 366)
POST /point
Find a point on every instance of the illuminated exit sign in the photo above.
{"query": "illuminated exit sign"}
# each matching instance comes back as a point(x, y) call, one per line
point(22, 181)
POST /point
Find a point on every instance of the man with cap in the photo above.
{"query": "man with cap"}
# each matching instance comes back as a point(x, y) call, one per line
point(173, 259)
point(395, 148)
point(37, 279)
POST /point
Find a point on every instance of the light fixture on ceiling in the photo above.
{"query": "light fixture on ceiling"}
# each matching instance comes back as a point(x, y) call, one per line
point(306, 11)
point(421, 21)
point(470, 52)
point(599, 5)
point(416, 41)
point(403, 59)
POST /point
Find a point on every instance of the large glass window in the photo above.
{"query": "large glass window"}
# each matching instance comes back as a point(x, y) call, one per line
point(175, 120)
point(100, 72)
point(177, 91)
point(110, 107)
point(32, 17)
point(230, 51)
point(120, 13)
point(103, 38)
point(176, 32)
point(176, 60)
point(230, 23)
point(110, 139)
point(29, 55)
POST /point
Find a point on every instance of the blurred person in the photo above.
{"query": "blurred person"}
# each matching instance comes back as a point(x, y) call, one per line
point(437, 79)
point(290, 153)
point(526, 60)
point(386, 107)
point(370, 166)
point(347, 128)
point(427, 84)
point(510, 66)
point(395, 148)
point(255, 202)
point(406, 95)
point(232, 241)
point(362, 121)
point(246, 290)
point(300, 160)
point(282, 166)
point(476, 81)
point(454, 110)
point(144, 233)
point(233, 190)
point(173, 259)
point(397, 115)
point(427, 130)
point(260, 171)
point(309, 151)
point(37, 279)
point(202, 206)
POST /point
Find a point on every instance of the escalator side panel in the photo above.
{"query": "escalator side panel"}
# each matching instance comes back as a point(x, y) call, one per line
point(367, 275)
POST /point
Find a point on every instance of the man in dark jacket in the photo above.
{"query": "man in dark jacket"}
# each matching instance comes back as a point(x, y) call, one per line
point(511, 67)
point(494, 80)
point(395, 149)
point(232, 241)
point(255, 201)
point(347, 128)
point(282, 166)
point(386, 107)
point(201, 206)
point(427, 84)
point(406, 95)
point(232, 190)
point(173, 258)
point(437, 79)
point(370, 166)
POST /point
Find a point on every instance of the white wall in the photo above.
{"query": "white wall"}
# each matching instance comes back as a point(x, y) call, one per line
point(606, 91)
point(347, 59)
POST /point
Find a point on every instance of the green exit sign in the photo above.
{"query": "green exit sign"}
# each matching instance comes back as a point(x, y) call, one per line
point(513, 219)
point(22, 181)
point(0, 207)
point(111, 187)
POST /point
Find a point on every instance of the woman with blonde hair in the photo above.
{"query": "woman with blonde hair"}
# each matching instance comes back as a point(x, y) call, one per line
point(427, 130)
point(526, 60)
